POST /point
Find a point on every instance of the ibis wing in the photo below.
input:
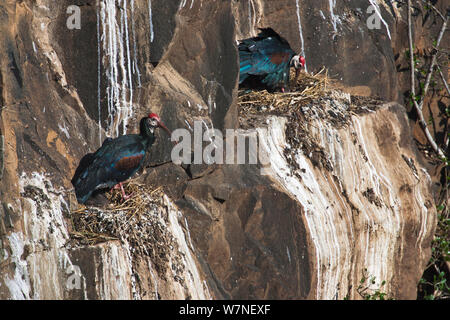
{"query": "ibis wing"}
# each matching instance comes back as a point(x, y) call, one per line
point(114, 162)
point(119, 160)
point(128, 162)
point(267, 57)
point(85, 162)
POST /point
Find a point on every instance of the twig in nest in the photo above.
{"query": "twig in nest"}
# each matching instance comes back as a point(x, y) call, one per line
point(307, 87)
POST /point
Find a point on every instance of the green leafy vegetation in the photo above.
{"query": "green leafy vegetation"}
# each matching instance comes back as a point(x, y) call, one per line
point(434, 284)
point(366, 290)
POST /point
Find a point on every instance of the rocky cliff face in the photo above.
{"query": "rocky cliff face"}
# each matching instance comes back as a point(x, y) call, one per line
point(344, 192)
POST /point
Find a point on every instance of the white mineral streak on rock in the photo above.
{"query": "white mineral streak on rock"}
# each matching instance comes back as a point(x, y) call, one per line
point(44, 210)
point(182, 4)
point(383, 222)
point(63, 129)
point(251, 25)
point(99, 76)
point(322, 15)
point(19, 285)
point(422, 216)
point(118, 65)
point(154, 279)
point(254, 11)
point(124, 67)
point(273, 143)
point(375, 5)
point(113, 282)
point(135, 55)
point(129, 267)
point(334, 18)
point(39, 274)
point(346, 242)
point(129, 64)
point(188, 234)
point(150, 18)
point(209, 104)
point(189, 126)
point(288, 254)
point(192, 277)
point(300, 31)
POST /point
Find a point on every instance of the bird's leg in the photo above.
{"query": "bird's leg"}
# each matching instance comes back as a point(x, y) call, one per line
point(124, 195)
point(116, 187)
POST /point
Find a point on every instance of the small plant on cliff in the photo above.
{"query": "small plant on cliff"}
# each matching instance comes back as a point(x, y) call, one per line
point(435, 284)
point(366, 291)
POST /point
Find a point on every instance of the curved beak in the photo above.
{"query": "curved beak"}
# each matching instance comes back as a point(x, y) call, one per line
point(297, 73)
point(162, 125)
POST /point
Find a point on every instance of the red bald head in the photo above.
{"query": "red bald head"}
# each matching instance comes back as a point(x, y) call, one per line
point(154, 116)
point(302, 61)
point(297, 62)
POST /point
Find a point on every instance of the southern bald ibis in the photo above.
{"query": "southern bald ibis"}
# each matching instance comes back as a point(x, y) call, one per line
point(116, 160)
point(269, 58)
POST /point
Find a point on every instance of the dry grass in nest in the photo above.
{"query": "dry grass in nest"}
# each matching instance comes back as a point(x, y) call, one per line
point(307, 88)
point(137, 203)
point(89, 225)
point(312, 96)
point(142, 222)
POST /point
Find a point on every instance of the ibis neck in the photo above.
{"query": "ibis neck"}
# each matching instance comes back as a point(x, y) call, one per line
point(146, 132)
point(148, 137)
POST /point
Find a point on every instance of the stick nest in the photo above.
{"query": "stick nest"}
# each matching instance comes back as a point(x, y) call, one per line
point(308, 87)
point(141, 221)
point(314, 104)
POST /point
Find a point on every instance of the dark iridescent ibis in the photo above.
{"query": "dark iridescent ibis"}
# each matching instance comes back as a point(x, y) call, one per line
point(268, 57)
point(116, 160)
